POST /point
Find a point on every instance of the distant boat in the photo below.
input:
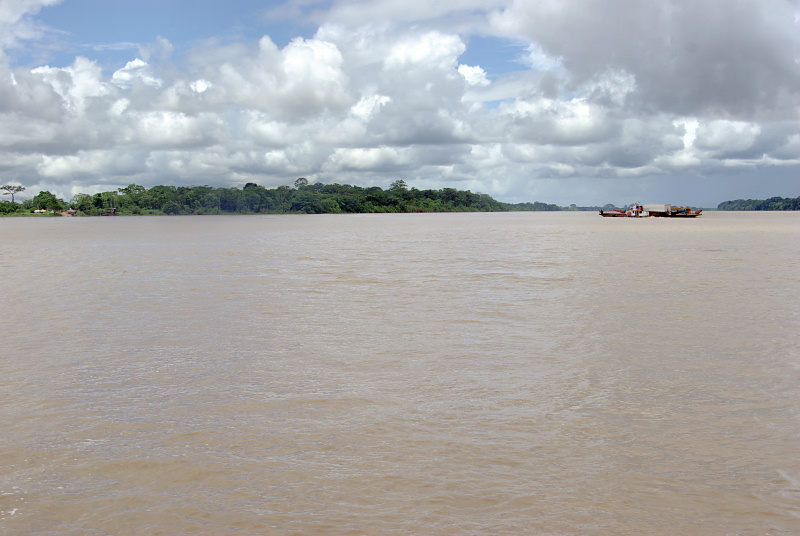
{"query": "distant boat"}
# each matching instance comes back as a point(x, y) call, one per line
point(639, 210)
point(613, 213)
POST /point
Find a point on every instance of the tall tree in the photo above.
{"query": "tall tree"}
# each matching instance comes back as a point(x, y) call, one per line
point(47, 201)
point(398, 185)
point(11, 189)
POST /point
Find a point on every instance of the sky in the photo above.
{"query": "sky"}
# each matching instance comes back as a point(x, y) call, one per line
point(559, 101)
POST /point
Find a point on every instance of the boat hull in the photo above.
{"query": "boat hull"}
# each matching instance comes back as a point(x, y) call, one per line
point(652, 211)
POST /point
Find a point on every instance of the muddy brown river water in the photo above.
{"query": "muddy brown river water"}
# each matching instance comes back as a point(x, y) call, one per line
point(516, 373)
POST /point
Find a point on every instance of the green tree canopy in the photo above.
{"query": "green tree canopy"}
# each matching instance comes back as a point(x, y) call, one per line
point(46, 201)
point(305, 198)
point(773, 203)
point(398, 185)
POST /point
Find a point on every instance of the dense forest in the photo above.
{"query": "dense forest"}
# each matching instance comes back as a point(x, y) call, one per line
point(303, 198)
point(773, 203)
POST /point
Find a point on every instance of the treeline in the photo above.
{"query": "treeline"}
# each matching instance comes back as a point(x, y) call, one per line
point(773, 203)
point(304, 198)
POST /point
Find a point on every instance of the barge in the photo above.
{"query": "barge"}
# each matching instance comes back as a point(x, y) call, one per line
point(651, 210)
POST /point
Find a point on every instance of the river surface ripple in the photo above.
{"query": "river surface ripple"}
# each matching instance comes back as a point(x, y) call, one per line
point(517, 373)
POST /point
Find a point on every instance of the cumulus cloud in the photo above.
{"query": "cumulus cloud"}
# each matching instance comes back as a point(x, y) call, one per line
point(365, 108)
point(16, 22)
point(724, 136)
point(135, 71)
point(88, 164)
point(303, 79)
point(378, 158)
point(161, 48)
point(474, 75)
point(597, 100)
point(699, 57)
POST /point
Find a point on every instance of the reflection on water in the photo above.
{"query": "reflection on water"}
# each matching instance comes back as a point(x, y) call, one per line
point(400, 374)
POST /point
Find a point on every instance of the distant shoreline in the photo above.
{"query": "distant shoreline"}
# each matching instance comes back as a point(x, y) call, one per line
point(304, 198)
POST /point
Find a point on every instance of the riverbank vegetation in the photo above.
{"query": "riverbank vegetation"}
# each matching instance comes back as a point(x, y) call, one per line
point(303, 198)
point(773, 203)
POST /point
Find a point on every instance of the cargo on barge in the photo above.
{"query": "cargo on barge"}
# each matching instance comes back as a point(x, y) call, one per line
point(651, 210)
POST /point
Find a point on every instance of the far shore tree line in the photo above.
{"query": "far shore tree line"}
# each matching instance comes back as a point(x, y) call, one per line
point(773, 203)
point(303, 198)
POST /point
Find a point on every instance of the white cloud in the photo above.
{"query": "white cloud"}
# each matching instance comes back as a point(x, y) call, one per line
point(552, 121)
point(161, 49)
point(365, 108)
point(76, 84)
point(266, 132)
point(16, 24)
point(301, 80)
point(135, 71)
point(88, 164)
point(474, 75)
point(539, 60)
point(379, 158)
point(201, 85)
point(726, 136)
point(164, 129)
point(432, 50)
point(12, 11)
